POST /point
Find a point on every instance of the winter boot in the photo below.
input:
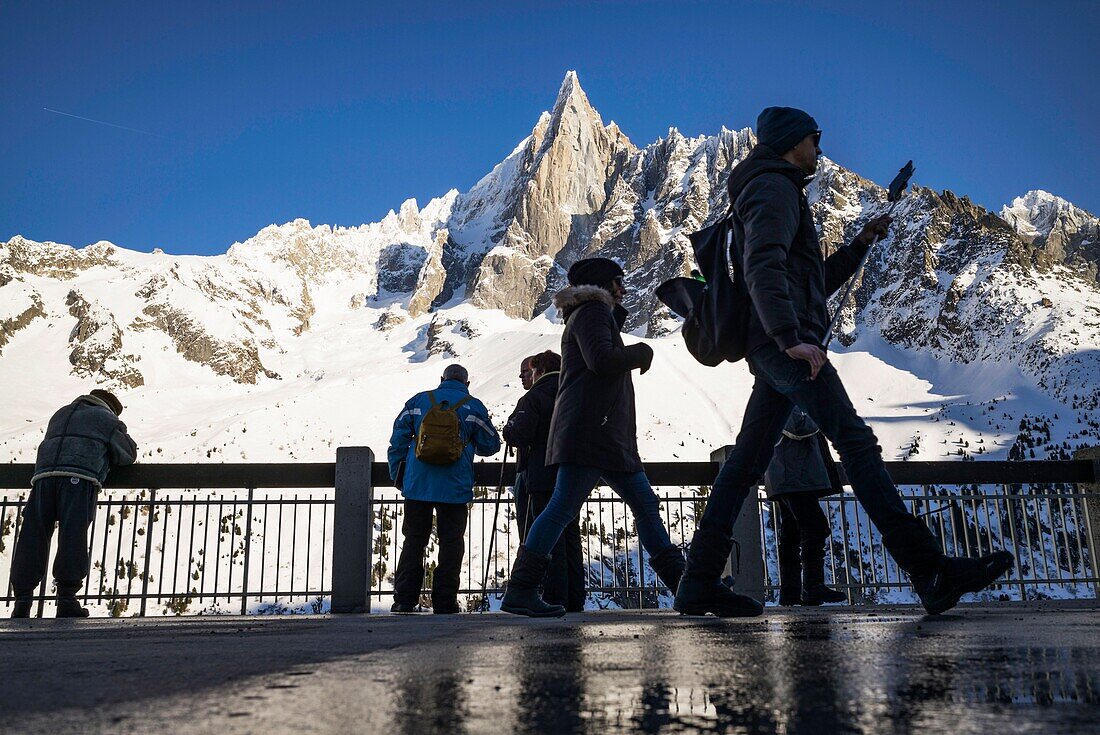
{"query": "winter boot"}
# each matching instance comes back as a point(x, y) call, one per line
point(814, 591)
point(22, 607)
point(790, 575)
point(448, 606)
point(669, 566)
point(958, 575)
point(701, 591)
point(403, 608)
point(69, 607)
point(521, 596)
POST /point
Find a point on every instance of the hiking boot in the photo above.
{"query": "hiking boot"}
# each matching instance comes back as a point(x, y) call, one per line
point(957, 576)
point(701, 590)
point(669, 566)
point(818, 594)
point(403, 608)
point(789, 597)
point(695, 597)
point(521, 596)
point(22, 607)
point(448, 607)
point(69, 607)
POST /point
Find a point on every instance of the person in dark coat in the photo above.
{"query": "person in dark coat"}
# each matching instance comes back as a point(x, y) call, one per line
point(528, 430)
point(445, 489)
point(83, 441)
point(788, 280)
point(593, 434)
point(801, 472)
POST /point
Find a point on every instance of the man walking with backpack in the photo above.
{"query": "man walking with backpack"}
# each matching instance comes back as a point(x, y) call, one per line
point(83, 441)
point(775, 244)
point(431, 460)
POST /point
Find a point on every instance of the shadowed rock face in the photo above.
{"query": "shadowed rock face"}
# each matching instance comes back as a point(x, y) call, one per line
point(97, 345)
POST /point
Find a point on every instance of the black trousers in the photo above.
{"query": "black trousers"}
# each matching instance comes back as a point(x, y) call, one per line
point(417, 528)
point(803, 529)
point(564, 581)
point(782, 382)
point(69, 503)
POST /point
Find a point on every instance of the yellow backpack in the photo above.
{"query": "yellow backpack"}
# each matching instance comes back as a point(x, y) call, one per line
point(439, 439)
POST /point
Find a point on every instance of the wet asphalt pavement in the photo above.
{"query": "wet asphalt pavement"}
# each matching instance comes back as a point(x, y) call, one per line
point(999, 669)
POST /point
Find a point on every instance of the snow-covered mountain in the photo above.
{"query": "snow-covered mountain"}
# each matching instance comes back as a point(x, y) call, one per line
point(331, 328)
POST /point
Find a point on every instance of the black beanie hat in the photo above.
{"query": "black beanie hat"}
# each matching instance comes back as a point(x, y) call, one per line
point(108, 398)
point(782, 128)
point(594, 272)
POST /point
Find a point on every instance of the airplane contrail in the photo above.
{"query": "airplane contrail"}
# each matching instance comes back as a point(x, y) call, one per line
point(101, 122)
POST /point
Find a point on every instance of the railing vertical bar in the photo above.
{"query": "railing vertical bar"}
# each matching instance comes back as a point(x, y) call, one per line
point(846, 547)
point(91, 545)
point(1060, 499)
point(163, 550)
point(1042, 543)
point(148, 550)
point(309, 542)
point(279, 554)
point(247, 551)
point(1011, 513)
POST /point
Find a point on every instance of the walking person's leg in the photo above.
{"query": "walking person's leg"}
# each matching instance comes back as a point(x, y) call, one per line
point(813, 532)
point(450, 523)
point(554, 583)
point(701, 590)
point(938, 580)
point(664, 556)
point(76, 504)
point(574, 484)
point(416, 526)
point(787, 549)
point(32, 549)
point(524, 518)
point(575, 568)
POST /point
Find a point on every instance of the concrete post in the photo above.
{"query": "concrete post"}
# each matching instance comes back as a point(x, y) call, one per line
point(352, 530)
point(746, 562)
point(1092, 505)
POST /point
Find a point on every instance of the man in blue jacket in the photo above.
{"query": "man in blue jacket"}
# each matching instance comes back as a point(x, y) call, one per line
point(83, 441)
point(430, 486)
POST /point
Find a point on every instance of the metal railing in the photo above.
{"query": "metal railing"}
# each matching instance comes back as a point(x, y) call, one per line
point(313, 537)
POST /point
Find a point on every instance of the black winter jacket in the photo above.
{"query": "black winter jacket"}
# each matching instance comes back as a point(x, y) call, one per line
point(528, 430)
point(84, 439)
point(594, 421)
point(773, 229)
point(802, 461)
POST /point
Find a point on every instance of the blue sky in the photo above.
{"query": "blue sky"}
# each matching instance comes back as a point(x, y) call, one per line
point(254, 113)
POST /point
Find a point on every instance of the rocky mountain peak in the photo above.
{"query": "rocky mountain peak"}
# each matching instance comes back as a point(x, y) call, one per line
point(1060, 232)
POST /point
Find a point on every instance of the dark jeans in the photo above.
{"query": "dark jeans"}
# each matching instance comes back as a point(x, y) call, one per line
point(564, 581)
point(780, 383)
point(417, 528)
point(68, 502)
point(575, 483)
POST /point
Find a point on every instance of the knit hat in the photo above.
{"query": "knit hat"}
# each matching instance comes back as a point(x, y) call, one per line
point(782, 128)
point(109, 398)
point(594, 272)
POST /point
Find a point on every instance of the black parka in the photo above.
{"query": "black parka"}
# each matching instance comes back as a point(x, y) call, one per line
point(84, 439)
point(594, 419)
point(787, 277)
point(528, 430)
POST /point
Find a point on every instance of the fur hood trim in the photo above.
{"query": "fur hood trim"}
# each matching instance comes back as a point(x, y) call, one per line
point(571, 297)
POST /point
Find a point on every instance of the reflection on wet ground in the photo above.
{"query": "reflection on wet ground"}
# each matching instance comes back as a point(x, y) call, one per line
point(1007, 669)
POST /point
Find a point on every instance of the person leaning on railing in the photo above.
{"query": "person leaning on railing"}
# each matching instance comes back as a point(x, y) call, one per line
point(84, 440)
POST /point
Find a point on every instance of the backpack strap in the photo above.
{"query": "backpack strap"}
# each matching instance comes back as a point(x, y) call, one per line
point(460, 402)
point(431, 397)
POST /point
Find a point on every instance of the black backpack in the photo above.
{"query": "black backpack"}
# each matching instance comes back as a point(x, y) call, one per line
point(715, 310)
